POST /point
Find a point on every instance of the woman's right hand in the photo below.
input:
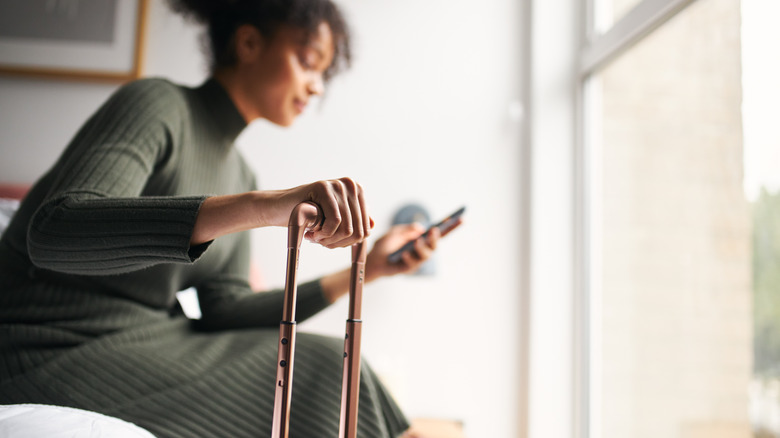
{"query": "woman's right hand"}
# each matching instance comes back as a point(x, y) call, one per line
point(343, 206)
point(342, 202)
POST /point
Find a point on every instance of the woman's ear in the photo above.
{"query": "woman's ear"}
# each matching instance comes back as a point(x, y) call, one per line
point(248, 43)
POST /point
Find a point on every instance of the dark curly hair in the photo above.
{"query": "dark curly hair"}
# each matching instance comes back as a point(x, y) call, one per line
point(223, 17)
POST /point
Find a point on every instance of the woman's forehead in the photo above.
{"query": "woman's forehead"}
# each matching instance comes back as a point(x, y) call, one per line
point(321, 36)
point(320, 39)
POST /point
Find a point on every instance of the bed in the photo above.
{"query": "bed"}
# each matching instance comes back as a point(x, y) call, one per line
point(35, 420)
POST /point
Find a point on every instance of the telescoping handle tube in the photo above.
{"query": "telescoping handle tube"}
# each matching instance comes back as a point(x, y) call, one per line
point(307, 215)
point(304, 215)
point(350, 382)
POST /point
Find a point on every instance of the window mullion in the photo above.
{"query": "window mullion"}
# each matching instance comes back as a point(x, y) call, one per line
point(637, 23)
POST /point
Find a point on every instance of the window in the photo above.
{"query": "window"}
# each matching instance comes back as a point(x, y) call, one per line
point(681, 254)
point(611, 11)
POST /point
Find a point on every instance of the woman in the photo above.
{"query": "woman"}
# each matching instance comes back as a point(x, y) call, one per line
point(150, 198)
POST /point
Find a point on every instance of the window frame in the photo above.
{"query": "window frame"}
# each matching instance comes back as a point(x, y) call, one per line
point(595, 52)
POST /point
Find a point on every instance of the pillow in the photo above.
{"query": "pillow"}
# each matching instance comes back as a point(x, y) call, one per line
point(35, 421)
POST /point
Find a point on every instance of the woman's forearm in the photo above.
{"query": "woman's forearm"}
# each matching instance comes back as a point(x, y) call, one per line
point(221, 215)
point(335, 285)
point(346, 219)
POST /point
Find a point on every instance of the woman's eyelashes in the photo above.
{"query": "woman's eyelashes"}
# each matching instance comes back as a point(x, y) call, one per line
point(311, 59)
point(307, 59)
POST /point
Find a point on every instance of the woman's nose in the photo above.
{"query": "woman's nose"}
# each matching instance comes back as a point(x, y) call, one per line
point(316, 85)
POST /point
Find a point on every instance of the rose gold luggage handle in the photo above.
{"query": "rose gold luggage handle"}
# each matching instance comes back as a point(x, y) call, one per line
point(307, 215)
point(350, 382)
point(303, 216)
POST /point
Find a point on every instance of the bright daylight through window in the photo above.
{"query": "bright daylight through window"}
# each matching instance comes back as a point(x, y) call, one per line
point(683, 153)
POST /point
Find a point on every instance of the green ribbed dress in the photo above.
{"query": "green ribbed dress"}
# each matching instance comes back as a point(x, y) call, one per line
point(91, 263)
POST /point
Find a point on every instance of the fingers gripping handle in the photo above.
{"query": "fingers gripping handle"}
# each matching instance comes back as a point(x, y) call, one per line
point(307, 215)
point(304, 216)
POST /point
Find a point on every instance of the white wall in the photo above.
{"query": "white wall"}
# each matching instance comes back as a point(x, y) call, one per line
point(551, 399)
point(424, 116)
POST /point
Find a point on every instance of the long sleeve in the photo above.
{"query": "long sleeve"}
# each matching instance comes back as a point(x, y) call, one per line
point(95, 219)
point(257, 309)
point(85, 233)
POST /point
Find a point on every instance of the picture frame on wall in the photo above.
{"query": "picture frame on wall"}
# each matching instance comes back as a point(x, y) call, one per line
point(90, 40)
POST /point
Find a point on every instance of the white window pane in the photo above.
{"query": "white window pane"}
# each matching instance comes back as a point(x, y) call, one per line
point(761, 94)
point(672, 324)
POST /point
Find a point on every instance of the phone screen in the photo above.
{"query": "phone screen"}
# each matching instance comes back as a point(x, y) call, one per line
point(444, 225)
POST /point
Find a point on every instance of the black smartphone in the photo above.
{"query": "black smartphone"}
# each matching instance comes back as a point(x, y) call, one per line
point(445, 226)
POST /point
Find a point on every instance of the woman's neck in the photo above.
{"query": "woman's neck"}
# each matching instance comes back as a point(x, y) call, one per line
point(230, 81)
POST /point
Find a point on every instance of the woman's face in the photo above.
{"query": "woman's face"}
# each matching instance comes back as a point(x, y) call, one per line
point(285, 72)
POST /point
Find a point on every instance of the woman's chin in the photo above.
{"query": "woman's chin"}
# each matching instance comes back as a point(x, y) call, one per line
point(283, 121)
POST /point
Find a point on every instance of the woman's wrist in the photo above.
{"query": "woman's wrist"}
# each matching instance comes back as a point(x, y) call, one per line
point(266, 209)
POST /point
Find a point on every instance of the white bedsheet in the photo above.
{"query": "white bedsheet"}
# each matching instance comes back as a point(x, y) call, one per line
point(37, 421)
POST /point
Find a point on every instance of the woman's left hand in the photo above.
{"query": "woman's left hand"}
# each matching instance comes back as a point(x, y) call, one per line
point(377, 264)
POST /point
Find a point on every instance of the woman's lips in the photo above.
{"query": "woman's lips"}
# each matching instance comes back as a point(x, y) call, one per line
point(299, 105)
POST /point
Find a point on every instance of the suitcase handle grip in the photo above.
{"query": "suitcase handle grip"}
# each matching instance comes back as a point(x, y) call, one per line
point(307, 215)
point(304, 216)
